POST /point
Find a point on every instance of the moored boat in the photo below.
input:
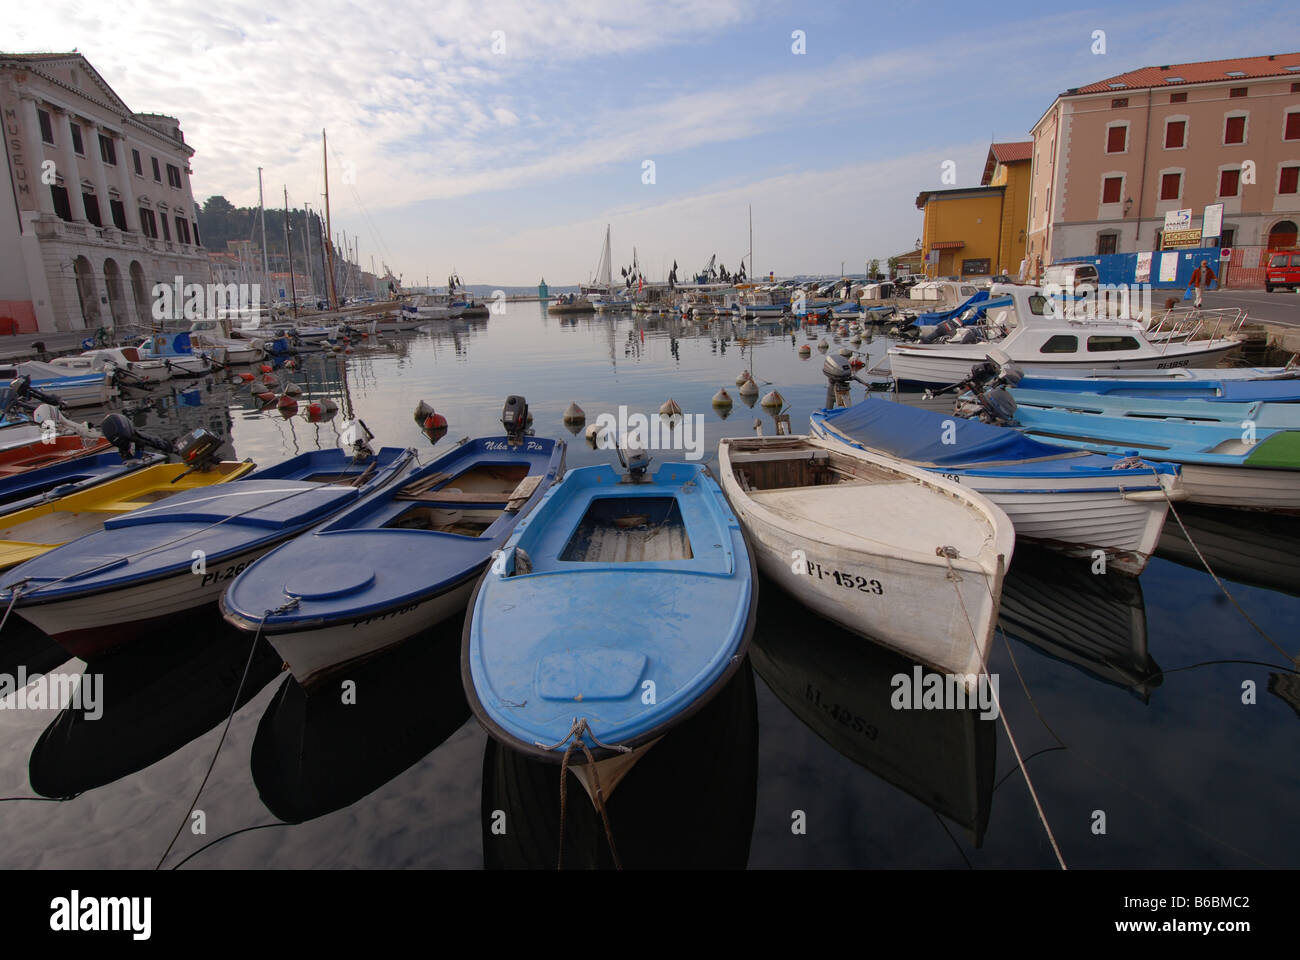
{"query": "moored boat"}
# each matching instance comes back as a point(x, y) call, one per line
point(617, 609)
point(1071, 500)
point(1032, 331)
point(884, 549)
point(140, 565)
point(397, 562)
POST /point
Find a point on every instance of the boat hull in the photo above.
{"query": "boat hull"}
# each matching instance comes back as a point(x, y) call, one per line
point(917, 367)
point(89, 626)
point(313, 655)
point(1074, 515)
point(1245, 488)
point(911, 593)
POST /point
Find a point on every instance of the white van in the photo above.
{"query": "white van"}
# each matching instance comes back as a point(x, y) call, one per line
point(1067, 276)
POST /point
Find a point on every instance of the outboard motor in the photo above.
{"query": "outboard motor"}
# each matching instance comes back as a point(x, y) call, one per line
point(514, 417)
point(130, 442)
point(939, 331)
point(839, 374)
point(198, 449)
point(998, 406)
point(838, 370)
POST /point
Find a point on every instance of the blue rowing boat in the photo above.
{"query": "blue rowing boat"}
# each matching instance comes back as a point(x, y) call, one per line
point(1071, 500)
point(1259, 414)
point(143, 572)
point(1214, 391)
point(397, 562)
point(620, 607)
point(1230, 464)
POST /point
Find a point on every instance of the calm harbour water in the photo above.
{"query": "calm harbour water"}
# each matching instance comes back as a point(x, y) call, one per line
point(1137, 705)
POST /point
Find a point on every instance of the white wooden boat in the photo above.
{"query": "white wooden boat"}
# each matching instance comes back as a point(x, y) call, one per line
point(889, 551)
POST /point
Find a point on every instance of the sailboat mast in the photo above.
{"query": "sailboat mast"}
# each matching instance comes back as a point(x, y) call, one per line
point(266, 270)
point(288, 249)
point(329, 246)
point(306, 242)
point(751, 242)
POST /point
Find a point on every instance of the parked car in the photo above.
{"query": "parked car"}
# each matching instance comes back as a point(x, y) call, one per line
point(1283, 270)
point(1067, 276)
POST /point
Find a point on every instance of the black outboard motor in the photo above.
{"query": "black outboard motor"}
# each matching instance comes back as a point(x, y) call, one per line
point(130, 443)
point(198, 449)
point(514, 417)
point(998, 406)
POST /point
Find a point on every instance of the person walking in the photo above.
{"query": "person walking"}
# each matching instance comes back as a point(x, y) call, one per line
point(1202, 277)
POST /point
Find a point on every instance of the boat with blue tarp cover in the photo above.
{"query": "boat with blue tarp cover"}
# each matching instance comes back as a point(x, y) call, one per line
point(396, 563)
point(143, 569)
point(619, 608)
point(1065, 498)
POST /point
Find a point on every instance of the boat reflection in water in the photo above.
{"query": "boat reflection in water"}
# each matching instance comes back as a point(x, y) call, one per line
point(1096, 622)
point(688, 801)
point(156, 698)
point(1257, 549)
point(320, 751)
point(23, 646)
point(840, 685)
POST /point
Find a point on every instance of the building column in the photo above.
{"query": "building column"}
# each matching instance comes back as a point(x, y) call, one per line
point(99, 173)
point(68, 167)
point(35, 153)
point(125, 172)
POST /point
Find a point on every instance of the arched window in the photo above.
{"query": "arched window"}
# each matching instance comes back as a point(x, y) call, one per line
point(1282, 236)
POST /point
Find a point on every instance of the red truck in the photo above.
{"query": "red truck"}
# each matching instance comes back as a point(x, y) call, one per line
point(1283, 270)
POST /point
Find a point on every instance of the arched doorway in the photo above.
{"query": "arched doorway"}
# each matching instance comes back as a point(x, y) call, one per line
point(116, 298)
point(1282, 236)
point(140, 293)
point(87, 293)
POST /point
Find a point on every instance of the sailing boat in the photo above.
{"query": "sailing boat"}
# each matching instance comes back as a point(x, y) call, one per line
point(601, 292)
point(591, 296)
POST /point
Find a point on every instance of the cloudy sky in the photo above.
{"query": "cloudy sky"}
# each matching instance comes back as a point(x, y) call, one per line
point(498, 137)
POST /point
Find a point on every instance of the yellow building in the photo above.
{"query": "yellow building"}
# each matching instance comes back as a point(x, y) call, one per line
point(980, 231)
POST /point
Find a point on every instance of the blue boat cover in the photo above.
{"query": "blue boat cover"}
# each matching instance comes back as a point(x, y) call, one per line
point(910, 433)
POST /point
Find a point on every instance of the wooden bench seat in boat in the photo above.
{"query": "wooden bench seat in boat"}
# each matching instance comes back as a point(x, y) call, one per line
point(513, 499)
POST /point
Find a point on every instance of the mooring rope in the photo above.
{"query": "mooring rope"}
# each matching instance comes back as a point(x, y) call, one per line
point(954, 578)
point(287, 605)
point(1294, 658)
point(577, 738)
point(17, 588)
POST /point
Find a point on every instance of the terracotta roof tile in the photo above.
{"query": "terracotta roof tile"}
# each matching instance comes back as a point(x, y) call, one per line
point(1204, 71)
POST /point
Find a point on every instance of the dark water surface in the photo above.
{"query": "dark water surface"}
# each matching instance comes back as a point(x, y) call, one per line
point(1137, 686)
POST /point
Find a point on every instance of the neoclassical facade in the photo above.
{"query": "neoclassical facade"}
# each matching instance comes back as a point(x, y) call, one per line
point(99, 207)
